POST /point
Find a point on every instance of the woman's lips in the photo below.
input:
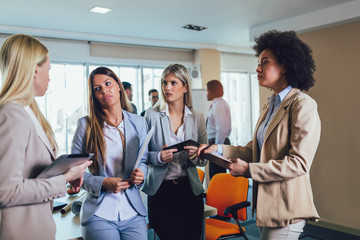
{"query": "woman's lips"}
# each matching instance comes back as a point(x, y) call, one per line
point(107, 97)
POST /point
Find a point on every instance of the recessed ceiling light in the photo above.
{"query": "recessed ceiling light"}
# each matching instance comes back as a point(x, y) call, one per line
point(101, 10)
point(194, 27)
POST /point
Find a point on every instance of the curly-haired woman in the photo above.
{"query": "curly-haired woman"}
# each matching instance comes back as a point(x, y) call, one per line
point(286, 137)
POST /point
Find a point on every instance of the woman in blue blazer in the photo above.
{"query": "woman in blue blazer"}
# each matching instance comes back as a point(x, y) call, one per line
point(112, 208)
point(175, 201)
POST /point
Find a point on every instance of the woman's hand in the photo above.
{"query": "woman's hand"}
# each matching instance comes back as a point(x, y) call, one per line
point(74, 175)
point(137, 176)
point(115, 185)
point(204, 148)
point(191, 151)
point(239, 167)
point(167, 155)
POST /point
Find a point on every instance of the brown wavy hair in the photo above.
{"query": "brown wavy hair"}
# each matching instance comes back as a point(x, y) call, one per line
point(95, 142)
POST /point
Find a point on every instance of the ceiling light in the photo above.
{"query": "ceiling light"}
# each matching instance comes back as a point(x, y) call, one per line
point(194, 27)
point(101, 10)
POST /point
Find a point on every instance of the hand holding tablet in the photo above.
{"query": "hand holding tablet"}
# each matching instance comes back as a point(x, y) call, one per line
point(63, 163)
point(180, 146)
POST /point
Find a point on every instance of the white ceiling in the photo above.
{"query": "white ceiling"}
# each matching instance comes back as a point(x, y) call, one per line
point(231, 24)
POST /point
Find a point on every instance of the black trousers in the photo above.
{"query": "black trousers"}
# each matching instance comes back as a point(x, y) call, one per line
point(175, 212)
point(214, 168)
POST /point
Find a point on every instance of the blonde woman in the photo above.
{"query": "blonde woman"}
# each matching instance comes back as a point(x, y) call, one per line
point(175, 201)
point(113, 208)
point(27, 144)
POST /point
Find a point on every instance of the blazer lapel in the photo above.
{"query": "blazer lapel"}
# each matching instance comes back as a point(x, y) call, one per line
point(165, 128)
point(281, 111)
point(131, 150)
point(189, 124)
point(40, 132)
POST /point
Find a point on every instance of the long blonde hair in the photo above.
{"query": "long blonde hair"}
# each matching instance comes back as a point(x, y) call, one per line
point(20, 54)
point(95, 142)
point(181, 73)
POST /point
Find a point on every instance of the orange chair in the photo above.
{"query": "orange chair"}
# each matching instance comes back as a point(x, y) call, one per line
point(201, 174)
point(228, 194)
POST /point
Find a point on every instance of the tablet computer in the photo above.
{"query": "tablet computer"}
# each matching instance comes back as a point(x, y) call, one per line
point(180, 146)
point(217, 159)
point(64, 163)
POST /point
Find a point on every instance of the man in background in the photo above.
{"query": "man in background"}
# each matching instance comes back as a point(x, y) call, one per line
point(129, 93)
point(218, 123)
point(153, 98)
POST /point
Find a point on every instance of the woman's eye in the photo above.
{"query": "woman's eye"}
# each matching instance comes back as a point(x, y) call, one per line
point(173, 83)
point(107, 83)
point(164, 83)
point(96, 89)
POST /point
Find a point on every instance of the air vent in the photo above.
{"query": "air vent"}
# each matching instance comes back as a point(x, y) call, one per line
point(194, 27)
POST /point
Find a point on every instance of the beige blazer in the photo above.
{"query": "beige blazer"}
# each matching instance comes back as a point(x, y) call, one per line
point(282, 191)
point(25, 202)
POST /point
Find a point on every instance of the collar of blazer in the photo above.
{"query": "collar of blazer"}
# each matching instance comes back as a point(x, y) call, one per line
point(131, 147)
point(189, 123)
point(281, 111)
point(40, 131)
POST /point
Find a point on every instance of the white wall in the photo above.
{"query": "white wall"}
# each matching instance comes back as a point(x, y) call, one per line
point(76, 51)
point(238, 62)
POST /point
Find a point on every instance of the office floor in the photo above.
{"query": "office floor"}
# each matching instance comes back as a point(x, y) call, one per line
point(311, 232)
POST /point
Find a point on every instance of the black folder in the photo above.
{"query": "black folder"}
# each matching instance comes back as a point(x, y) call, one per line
point(217, 159)
point(180, 146)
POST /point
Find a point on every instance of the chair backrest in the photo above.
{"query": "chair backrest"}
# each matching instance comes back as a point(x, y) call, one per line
point(225, 190)
point(201, 174)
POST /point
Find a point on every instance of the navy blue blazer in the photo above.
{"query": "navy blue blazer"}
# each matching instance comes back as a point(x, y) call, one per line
point(135, 133)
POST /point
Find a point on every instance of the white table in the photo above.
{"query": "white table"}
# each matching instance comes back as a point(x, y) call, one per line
point(67, 225)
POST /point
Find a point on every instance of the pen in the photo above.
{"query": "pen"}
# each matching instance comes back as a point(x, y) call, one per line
point(195, 155)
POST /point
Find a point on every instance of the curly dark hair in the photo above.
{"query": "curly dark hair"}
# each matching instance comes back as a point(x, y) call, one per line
point(293, 53)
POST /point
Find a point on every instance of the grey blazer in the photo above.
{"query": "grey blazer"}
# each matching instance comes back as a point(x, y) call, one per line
point(25, 202)
point(135, 133)
point(194, 129)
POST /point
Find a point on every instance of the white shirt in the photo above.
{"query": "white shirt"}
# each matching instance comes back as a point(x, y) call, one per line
point(218, 123)
point(177, 167)
point(274, 103)
point(114, 206)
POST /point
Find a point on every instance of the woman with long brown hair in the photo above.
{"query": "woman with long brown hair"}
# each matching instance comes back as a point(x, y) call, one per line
point(112, 208)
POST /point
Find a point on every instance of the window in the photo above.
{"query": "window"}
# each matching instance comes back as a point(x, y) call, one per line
point(241, 91)
point(67, 98)
point(151, 79)
point(65, 102)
